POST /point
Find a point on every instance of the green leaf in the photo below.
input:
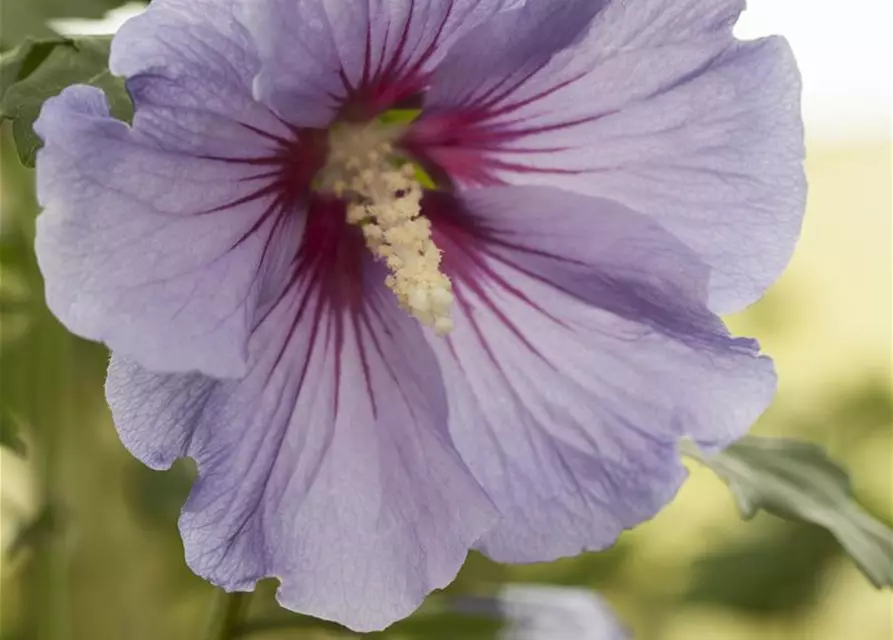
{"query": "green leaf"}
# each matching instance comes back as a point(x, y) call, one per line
point(38, 70)
point(22, 61)
point(797, 481)
point(9, 434)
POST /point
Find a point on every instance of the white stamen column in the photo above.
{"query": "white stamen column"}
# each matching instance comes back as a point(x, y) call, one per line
point(385, 202)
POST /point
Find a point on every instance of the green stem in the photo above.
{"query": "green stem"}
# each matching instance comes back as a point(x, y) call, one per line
point(227, 614)
point(49, 615)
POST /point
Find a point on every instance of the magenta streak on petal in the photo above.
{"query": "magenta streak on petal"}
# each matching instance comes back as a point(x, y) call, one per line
point(462, 139)
point(490, 107)
point(325, 277)
point(462, 143)
point(470, 246)
point(372, 307)
point(292, 166)
point(394, 80)
point(463, 241)
point(327, 274)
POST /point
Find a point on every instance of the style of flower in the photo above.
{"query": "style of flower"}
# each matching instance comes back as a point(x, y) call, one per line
point(388, 340)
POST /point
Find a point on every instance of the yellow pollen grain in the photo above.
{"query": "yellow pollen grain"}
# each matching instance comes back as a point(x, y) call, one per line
point(385, 202)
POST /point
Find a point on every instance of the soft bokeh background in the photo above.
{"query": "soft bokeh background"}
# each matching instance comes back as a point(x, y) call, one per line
point(89, 535)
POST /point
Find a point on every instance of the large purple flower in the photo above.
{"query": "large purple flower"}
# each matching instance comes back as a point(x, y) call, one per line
point(374, 376)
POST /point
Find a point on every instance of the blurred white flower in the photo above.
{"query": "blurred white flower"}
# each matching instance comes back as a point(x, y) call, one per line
point(105, 25)
point(536, 612)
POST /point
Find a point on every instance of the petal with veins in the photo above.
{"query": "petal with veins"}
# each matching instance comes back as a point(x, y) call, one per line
point(582, 353)
point(655, 106)
point(189, 66)
point(329, 465)
point(316, 56)
point(134, 241)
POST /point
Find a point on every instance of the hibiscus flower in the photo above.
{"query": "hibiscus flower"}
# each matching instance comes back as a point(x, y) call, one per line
point(412, 277)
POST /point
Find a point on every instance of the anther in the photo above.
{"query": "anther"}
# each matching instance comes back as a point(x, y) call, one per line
point(385, 202)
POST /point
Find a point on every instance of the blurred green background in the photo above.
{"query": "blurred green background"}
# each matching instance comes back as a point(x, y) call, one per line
point(79, 514)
